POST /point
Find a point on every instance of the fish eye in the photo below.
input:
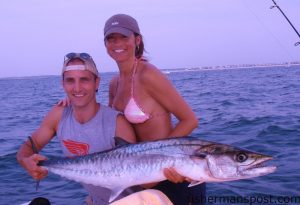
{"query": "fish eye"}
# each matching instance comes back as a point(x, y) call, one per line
point(241, 157)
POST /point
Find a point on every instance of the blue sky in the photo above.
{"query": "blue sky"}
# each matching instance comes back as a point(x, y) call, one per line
point(36, 34)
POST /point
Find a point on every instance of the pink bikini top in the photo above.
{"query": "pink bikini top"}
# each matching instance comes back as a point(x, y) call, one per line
point(133, 112)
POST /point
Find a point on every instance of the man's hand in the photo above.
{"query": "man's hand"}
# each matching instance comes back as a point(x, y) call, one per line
point(35, 171)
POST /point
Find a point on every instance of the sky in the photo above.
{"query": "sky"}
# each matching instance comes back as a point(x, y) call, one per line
point(36, 34)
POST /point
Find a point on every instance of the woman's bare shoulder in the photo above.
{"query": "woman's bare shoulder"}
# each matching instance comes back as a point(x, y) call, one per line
point(150, 73)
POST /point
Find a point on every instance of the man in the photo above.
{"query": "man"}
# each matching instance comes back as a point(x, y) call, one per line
point(84, 127)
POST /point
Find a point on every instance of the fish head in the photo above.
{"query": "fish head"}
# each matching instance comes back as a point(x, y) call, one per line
point(227, 163)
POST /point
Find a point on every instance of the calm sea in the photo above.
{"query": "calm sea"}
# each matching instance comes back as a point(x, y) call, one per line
point(255, 108)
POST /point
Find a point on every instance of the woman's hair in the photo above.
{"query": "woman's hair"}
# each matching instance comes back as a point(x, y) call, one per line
point(139, 50)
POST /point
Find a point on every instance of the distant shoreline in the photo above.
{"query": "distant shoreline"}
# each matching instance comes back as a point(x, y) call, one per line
point(227, 67)
point(203, 68)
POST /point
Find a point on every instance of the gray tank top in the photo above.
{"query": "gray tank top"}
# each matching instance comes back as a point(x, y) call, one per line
point(93, 136)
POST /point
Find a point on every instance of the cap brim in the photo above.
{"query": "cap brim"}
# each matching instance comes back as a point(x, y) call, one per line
point(89, 65)
point(121, 30)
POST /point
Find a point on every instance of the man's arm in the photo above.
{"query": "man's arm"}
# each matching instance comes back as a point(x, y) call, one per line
point(124, 130)
point(42, 136)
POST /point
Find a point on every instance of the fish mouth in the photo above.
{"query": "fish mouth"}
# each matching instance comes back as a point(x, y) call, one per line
point(257, 165)
point(258, 168)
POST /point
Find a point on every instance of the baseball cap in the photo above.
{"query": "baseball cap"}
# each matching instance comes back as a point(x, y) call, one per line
point(121, 23)
point(88, 61)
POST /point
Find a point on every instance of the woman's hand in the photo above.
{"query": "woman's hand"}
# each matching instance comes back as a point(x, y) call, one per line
point(172, 175)
point(64, 103)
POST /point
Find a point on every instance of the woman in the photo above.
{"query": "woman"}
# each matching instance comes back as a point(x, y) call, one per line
point(147, 99)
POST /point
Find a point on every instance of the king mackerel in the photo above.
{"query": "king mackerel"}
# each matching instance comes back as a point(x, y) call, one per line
point(133, 164)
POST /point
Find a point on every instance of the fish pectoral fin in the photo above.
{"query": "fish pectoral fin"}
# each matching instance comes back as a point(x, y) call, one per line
point(194, 183)
point(115, 193)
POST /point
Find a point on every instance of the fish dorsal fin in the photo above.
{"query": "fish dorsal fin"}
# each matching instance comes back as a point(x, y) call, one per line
point(194, 183)
point(120, 142)
point(115, 193)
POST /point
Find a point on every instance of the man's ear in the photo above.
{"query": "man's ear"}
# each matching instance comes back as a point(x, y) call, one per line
point(97, 83)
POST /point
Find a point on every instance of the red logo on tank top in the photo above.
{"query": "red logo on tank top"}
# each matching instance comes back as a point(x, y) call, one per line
point(77, 148)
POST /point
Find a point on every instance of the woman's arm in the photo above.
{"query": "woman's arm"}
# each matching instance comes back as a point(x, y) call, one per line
point(112, 90)
point(162, 90)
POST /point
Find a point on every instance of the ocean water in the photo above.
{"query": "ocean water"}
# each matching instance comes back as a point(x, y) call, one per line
point(253, 108)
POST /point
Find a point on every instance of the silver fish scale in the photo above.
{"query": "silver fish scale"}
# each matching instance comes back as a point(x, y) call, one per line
point(170, 147)
point(127, 159)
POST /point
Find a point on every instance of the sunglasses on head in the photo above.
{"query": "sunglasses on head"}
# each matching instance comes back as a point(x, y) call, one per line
point(84, 56)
